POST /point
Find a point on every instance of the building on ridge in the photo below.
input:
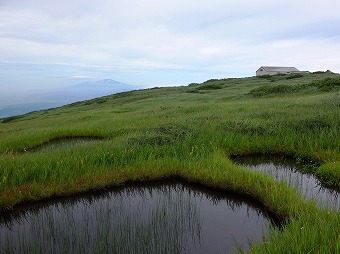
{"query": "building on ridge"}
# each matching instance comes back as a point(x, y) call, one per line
point(272, 70)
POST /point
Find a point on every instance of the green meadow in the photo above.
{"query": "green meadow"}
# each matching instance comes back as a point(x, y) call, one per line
point(188, 132)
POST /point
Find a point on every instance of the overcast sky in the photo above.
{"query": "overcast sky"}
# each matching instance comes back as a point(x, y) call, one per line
point(49, 43)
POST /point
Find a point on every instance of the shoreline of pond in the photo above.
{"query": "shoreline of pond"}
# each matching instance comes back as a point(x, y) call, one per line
point(277, 220)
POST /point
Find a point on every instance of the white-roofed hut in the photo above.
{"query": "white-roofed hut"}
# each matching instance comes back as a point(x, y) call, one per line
point(271, 70)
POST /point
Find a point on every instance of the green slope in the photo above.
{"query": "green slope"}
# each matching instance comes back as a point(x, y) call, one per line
point(189, 132)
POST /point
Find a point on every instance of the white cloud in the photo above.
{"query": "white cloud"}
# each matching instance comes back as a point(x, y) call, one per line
point(167, 41)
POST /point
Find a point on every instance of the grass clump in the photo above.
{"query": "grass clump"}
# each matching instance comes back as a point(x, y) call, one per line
point(293, 76)
point(296, 236)
point(267, 90)
point(327, 84)
point(329, 173)
point(209, 87)
point(10, 119)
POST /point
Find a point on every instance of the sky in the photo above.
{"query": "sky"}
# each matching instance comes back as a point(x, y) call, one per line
point(47, 44)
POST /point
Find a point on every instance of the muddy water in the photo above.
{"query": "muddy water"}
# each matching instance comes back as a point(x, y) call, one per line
point(171, 217)
point(281, 168)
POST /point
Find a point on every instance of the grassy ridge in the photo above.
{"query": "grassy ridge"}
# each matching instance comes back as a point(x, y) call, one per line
point(188, 131)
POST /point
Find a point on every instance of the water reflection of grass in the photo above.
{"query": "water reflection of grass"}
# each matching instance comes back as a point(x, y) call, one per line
point(154, 221)
point(295, 175)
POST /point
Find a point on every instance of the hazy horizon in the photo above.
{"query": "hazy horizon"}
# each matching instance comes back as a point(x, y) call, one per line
point(52, 44)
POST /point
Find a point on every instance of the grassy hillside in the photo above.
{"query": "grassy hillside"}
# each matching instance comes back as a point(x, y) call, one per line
point(189, 132)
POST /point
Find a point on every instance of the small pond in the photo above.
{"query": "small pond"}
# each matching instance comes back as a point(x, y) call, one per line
point(62, 143)
point(282, 168)
point(166, 217)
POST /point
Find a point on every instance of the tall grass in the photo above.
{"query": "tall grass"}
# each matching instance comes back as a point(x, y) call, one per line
point(297, 236)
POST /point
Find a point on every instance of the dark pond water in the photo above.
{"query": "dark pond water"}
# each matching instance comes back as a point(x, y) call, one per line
point(154, 218)
point(281, 168)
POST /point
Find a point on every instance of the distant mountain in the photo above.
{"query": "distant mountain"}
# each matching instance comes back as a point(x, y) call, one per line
point(65, 95)
point(104, 84)
point(85, 91)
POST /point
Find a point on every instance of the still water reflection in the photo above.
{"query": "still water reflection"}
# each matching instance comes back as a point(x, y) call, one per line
point(281, 168)
point(155, 218)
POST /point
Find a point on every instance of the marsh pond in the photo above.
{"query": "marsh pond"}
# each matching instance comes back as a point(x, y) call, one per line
point(162, 217)
point(292, 172)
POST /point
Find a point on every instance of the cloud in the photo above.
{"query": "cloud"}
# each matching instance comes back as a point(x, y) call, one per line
point(165, 41)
